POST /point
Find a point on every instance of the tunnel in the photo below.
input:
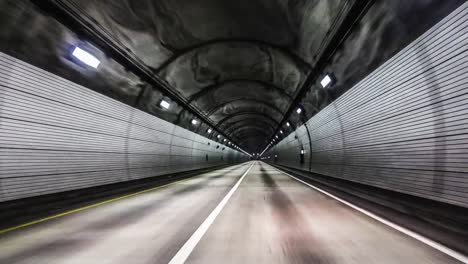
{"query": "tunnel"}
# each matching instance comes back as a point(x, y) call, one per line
point(218, 131)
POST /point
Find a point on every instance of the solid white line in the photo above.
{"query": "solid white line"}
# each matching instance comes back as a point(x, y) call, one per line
point(185, 251)
point(452, 253)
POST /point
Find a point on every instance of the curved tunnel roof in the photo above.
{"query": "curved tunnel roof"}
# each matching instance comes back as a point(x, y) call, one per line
point(241, 63)
point(242, 67)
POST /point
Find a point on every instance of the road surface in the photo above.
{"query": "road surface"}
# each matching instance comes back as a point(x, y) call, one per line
point(248, 213)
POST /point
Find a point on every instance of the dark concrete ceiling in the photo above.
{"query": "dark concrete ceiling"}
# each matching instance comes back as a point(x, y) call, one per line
point(241, 63)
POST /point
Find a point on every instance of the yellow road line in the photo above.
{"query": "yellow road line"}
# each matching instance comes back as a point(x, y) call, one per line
point(87, 207)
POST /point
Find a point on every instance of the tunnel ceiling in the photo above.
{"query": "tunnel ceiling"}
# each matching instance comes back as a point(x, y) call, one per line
point(242, 66)
point(241, 63)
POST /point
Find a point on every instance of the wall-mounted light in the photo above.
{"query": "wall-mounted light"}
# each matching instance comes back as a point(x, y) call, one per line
point(209, 131)
point(287, 124)
point(302, 152)
point(327, 80)
point(86, 57)
point(276, 136)
point(281, 131)
point(299, 110)
point(194, 122)
point(219, 136)
point(164, 104)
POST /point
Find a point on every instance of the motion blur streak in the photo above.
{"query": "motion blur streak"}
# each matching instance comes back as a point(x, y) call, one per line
point(271, 218)
point(245, 131)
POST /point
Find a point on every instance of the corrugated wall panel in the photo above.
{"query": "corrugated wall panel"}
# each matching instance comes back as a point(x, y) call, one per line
point(405, 126)
point(56, 136)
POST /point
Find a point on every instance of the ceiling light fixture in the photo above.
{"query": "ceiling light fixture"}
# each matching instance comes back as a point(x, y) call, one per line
point(164, 104)
point(86, 57)
point(326, 81)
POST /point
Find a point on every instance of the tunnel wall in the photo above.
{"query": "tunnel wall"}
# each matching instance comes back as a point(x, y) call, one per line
point(56, 136)
point(403, 128)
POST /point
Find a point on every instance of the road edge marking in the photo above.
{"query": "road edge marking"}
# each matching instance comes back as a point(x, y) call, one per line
point(185, 251)
point(13, 228)
point(444, 249)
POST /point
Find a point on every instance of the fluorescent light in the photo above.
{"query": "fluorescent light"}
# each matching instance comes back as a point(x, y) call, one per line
point(86, 57)
point(194, 122)
point(287, 124)
point(299, 110)
point(209, 130)
point(325, 81)
point(164, 104)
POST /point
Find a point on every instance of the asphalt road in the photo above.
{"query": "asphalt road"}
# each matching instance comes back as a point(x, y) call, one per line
point(270, 218)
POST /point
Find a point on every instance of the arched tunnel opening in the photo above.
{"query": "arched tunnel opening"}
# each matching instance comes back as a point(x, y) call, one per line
point(216, 131)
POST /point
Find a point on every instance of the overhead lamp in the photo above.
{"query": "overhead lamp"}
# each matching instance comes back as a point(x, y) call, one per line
point(299, 110)
point(287, 124)
point(326, 81)
point(86, 57)
point(209, 131)
point(194, 122)
point(165, 104)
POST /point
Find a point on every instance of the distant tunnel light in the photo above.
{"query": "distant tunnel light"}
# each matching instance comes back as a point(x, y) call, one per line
point(299, 110)
point(86, 57)
point(164, 104)
point(194, 122)
point(326, 81)
point(209, 131)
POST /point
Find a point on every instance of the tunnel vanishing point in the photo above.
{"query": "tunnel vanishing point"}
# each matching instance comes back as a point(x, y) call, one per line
point(233, 131)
